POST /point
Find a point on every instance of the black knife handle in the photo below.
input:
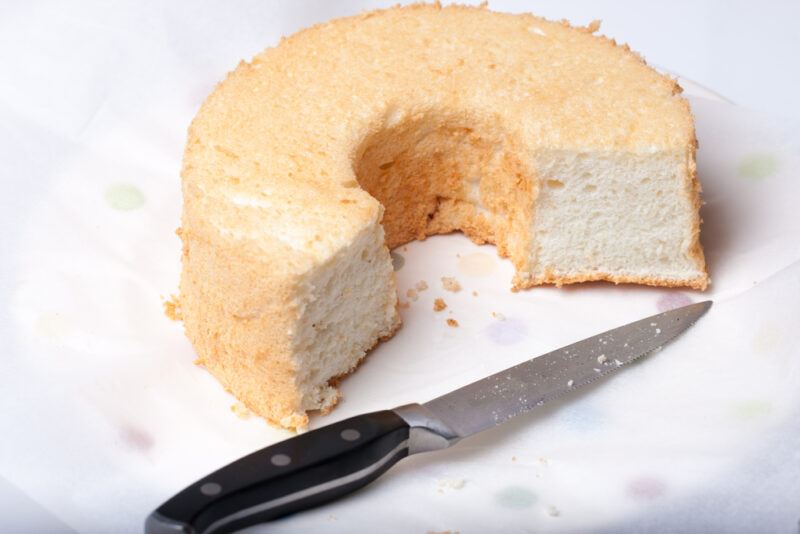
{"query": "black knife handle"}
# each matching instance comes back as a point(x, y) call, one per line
point(292, 475)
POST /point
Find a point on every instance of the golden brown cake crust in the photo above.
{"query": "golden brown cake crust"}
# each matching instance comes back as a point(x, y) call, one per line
point(279, 157)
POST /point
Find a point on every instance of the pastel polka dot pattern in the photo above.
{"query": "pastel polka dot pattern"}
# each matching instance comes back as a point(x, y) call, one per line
point(751, 409)
point(515, 497)
point(706, 425)
point(767, 339)
point(124, 197)
point(507, 332)
point(583, 418)
point(398, 261)
point(646, 488)
point(758, 165)
point(670, 301)
point(136, 439)
point(477, 264)
point(51, 325)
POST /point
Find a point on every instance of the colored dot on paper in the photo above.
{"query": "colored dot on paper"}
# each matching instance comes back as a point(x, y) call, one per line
point(477, 264)
point(398, 261)
point(670, 301)
point(124, 197)
point(758, 166)
point(515, 497)
point(646, 488)
point(506, 332)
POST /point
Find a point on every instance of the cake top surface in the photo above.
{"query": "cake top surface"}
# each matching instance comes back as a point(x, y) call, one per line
point(271, 153)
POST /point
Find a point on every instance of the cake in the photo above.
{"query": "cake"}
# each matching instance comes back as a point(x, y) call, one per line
point(306, 165)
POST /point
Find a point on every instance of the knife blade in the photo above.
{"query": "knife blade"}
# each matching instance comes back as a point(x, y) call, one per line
point(531, 384)
point(334, 460)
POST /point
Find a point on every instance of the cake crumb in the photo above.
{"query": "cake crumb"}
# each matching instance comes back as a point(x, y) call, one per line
point(513, 458)
point(200, 362)
point(412, 294)
point(474, 293)
point(451, 284)
point(552, 511)
point(452, 322)
point(602, 359)
point(240, 410)
point(569, 383)
point(422, 285)
point(439, 305)
point(499, 316)
point(172, 308)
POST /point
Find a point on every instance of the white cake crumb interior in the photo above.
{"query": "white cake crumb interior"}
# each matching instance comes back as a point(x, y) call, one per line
point(627, 214)
point(344, 307)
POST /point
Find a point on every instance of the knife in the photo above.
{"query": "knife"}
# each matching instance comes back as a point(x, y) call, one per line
point(332, 461)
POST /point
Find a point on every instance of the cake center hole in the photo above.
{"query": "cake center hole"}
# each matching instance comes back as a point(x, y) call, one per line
point(439, 173)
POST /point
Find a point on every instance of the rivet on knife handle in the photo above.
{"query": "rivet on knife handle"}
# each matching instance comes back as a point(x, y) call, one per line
point(296, 474)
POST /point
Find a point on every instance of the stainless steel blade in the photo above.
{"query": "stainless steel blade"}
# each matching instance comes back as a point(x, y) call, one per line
point(524, 387)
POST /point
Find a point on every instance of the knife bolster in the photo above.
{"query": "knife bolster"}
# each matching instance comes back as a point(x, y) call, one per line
point(428, 432)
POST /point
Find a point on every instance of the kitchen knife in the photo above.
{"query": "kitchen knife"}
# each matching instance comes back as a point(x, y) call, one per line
point(332, 461)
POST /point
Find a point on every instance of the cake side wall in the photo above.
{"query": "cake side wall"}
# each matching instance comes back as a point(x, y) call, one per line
point(692, 190)
point(237, 312)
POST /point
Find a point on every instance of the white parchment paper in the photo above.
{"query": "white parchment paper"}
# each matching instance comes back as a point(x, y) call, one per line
point(104, 415)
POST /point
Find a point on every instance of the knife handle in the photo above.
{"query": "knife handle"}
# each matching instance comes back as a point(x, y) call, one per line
point(295, 474)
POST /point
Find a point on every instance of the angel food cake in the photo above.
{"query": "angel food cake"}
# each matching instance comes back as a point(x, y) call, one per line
point(307, 164)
